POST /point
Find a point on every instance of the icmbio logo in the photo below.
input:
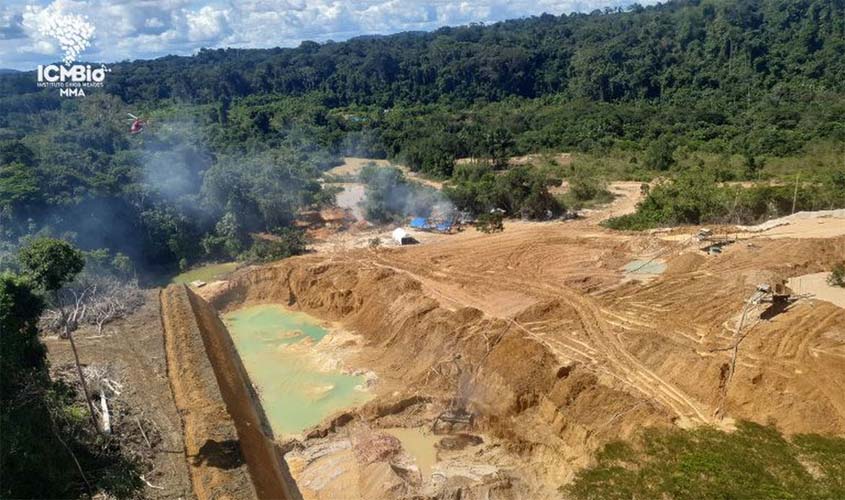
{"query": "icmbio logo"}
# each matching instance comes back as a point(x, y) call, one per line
point(74, 34)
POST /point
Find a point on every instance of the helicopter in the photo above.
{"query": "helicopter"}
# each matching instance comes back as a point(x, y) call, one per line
point(137, 125)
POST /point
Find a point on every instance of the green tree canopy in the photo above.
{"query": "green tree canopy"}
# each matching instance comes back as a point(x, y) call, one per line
point(20, 308)
point(51, 262)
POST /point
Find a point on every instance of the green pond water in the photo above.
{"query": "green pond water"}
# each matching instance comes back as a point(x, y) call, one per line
point(645, 267)
point(276, 346)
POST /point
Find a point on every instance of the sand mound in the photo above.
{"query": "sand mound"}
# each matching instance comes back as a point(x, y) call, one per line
point(816, 285)
point(686, 262)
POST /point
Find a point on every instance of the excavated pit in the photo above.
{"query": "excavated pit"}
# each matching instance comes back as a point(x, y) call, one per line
point(580, 358)
point(427, 357)
point(293, 361)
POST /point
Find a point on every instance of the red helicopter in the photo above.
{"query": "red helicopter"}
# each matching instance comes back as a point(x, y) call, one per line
point(138, 124)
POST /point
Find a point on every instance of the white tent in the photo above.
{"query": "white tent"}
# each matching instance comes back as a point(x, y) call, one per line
point(399, 235)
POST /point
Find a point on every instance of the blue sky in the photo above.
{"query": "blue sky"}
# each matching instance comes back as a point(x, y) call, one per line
point(142, 29)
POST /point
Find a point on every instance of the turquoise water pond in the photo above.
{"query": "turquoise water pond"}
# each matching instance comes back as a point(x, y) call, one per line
point(645, 267)
point(276, 346)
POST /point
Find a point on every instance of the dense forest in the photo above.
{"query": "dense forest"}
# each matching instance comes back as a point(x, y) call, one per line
point(735, 50)
point(237, 139)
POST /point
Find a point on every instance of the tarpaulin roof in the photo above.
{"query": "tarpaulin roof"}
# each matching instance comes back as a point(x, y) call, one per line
point(419, 223)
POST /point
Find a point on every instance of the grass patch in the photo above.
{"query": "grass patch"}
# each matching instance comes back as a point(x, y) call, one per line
point(837, 275)
point(615, 165)
point(754, 462)
point(210, 272)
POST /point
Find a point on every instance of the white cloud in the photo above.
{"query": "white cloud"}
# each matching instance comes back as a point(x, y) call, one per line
point(129, 29)
point(207, 24)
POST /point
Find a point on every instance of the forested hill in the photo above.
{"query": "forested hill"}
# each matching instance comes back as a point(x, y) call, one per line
point(734, 48)
point(681, 48)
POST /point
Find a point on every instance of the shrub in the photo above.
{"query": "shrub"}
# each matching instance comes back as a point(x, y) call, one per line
point(752, 462)
point(837, 275)
point(587, 189)
point(522, 190)
point(490, 223)
point(660, 154)
point(389, 196)
point(286, 243)
point(693, 196)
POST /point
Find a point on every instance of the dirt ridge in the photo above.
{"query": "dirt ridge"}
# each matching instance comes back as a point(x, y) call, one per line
point(230, 451)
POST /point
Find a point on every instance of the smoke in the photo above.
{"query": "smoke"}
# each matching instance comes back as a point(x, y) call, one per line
point(390, 196)
point(158, 196)
point(157, 210)
point(173, 161)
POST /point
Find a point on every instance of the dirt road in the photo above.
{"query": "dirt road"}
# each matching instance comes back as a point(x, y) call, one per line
point(562, 283)
point(352, 166)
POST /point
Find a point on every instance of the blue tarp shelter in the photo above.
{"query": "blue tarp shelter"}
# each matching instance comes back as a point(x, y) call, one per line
point(419, 223)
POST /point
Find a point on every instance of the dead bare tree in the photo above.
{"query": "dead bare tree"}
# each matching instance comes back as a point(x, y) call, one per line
point(112, 300)
point(68, 321)
point(92, 300)
point(103, 385)
point(95, 301)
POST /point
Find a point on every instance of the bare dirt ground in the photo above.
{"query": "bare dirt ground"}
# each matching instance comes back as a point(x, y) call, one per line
point(822, 224)
point(566, 350)
point(816, 285)
point(352, 166)
point(661, 339)
point(627, 194)
point(132, 350)
point(350, 199)
point(618, 327)
point(562, 159)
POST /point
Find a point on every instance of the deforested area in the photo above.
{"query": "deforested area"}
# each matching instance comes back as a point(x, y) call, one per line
point(543, 341)
point(481, 252)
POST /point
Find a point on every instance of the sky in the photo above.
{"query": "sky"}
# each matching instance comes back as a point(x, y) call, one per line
point(145, 29)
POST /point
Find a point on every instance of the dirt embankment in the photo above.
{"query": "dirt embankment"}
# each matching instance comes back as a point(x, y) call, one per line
point(229, 447)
